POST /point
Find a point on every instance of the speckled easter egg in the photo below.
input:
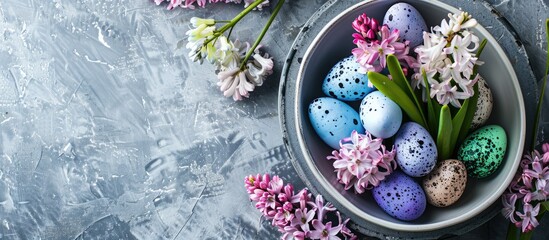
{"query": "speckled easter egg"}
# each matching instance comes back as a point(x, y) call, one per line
point(408, 21)
point(333, 120)
point(416, 152)
point(400, 196)
point(379, 115)
point(482, 152)
point(344, 81)
point(446, 183)
point(484, 104)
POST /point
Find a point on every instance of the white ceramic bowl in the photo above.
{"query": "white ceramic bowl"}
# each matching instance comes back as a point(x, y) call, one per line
point(333, 43)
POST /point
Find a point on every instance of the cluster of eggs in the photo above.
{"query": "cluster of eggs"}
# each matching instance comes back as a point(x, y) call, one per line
point(422, 178)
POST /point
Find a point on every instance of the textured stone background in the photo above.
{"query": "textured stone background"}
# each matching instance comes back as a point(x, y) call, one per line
point(107, 131)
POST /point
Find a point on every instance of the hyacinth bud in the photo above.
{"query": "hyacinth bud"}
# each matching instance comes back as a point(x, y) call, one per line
point(545, 147)
point(361, 23)
point(374, 24)
point(288, 206)
point(283, 197)
point(366, 27)
point(370, 34)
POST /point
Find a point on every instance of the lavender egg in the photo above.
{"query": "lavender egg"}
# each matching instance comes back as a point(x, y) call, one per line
point(400, 196)
point(408, 21)
point(345, 82)
point(416, 152)
point(333, 120)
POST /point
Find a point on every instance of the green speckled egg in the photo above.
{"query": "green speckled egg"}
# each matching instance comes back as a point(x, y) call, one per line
point(482, 152)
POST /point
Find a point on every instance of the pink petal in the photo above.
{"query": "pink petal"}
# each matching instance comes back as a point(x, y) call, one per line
point(318, 225)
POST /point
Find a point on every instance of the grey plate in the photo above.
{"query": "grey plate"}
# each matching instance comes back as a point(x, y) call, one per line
point(288, 105)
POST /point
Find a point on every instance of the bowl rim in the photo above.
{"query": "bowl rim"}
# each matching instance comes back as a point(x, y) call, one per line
point(327, 186)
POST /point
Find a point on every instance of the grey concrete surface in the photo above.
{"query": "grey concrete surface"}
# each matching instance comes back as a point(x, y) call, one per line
point(108, 131)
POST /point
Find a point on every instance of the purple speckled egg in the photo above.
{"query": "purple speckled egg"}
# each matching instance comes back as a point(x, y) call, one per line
point(408, 21)
point(400, 196)
point(416, 152)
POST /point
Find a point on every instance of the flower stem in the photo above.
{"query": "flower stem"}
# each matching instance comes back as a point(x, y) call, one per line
point(511, 231)
point(238, 17)
point(544, 85)
point(234, 21)
point(230, 32)
point(526, 236)
point(263, 32)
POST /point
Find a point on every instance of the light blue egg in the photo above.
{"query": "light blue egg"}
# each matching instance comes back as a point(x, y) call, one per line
point(379, 115)
point(400, 196)
point(408, 21)
point(416, 152)
point(344, 81)
point(333, 120)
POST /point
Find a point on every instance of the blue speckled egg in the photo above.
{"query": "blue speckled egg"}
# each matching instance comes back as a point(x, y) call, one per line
point(333, 120)
point(345, 83)
point(416, 152)
point(482, 152)
point(408, 21)
point(379, 115)
point(400, 196)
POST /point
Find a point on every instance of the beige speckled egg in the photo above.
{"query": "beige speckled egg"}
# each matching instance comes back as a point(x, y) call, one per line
point(445, 184)
point(485, 104)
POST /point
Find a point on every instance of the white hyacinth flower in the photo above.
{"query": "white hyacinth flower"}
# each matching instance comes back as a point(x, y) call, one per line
point(448, 59)
point(237, 82)
point(201, 32)
point(459, 47)
point(200, 44)
point(462, 21)
point(195, 21)
point(233, 82)
point(229, 53)
point(259, 68)
point(197, 50)
point(445, 27)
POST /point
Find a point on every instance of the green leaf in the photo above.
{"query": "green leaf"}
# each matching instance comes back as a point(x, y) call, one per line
point(542, 93)
point(432, 115)
point(545, 205)
point(526, 236)
point(396, 72)
point(511, 231)
point(457, 123)
point(472, 108)
point(400, 79)
point(479, 52)
point(444, 133)
point(394, 92)
point(468, 119)
point(437, 107)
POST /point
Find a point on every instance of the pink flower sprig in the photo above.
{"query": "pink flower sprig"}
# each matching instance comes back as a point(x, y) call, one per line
point(362, 162)
point(191, 4)
point(531, 188)
point(297, 216)
point(375, 42)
